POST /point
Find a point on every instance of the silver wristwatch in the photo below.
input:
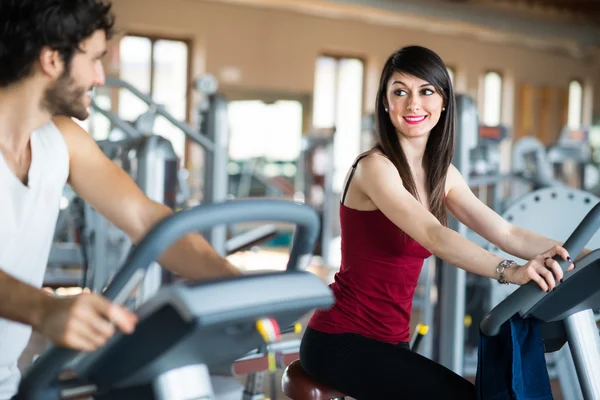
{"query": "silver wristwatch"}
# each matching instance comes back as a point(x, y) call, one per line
point(501, 267)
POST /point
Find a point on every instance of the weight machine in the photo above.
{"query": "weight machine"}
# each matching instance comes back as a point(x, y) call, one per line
point(95, 247)
point(314, 183)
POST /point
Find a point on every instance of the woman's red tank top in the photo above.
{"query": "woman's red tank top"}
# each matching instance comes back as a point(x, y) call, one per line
point(375, 285)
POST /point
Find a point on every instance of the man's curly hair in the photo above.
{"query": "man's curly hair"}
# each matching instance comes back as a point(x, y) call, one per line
point(27, 26)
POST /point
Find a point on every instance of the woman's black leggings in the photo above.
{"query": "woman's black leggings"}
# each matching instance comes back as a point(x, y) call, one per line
point(364, 369)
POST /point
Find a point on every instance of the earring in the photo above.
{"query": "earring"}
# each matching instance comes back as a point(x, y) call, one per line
point(443, 108)
point(386, 110)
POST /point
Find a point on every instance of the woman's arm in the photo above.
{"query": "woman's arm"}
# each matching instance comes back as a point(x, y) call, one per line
point(472, 212)
point(379, 180)
point(526, 244)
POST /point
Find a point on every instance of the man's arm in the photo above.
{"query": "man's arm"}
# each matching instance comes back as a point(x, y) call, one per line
point(83, 322)
point(191, 256)
point(21, 302)
point(107, 188)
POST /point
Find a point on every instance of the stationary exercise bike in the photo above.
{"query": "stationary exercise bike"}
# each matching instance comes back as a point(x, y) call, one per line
point(566, 313)
point(188, 329)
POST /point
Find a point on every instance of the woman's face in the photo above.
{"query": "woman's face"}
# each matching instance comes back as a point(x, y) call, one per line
point(414, 105)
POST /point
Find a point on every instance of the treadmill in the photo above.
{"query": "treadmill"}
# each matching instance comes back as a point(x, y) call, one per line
point(188, 328)
point(566, 313)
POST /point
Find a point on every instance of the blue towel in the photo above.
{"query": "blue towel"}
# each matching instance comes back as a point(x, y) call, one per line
point(512, 366)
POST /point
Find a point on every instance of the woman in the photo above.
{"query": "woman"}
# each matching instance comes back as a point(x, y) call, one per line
point(360, 346)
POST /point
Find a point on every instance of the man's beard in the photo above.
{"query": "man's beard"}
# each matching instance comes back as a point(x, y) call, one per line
point(65, 98)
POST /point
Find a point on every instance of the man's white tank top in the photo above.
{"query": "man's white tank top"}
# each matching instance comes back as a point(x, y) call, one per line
point(28, 216)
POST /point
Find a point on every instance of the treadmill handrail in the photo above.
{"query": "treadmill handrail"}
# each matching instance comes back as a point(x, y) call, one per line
point(49, 365)
point(525, 297)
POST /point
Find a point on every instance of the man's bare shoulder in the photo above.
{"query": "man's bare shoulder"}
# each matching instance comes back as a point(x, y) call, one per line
point(64, 124)
point(71, 131)
point(80, 143)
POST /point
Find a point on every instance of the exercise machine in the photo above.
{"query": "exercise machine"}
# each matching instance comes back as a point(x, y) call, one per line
point(571, 158)
point(553, 212)
point(566, 312)
point(564, 163)
point(86, 239)
point(186, 329)
point(314, 184)
point(452, 280)
point(530, 162)
point(531, 169)
point(485, 175)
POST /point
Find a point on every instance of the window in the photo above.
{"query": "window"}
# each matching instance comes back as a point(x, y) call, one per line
point(575, 110)
point(259, 130)
point(337, 103)
point(97, 125)
point(170, 77)
point(135, 68)
point(158, 67)
point(492, 99)
point(452, 74)
point(324, 107)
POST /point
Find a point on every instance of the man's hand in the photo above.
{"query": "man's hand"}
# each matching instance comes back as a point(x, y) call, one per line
point(83, 322)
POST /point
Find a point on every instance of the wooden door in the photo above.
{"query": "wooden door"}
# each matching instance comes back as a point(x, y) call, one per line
point(541, 111)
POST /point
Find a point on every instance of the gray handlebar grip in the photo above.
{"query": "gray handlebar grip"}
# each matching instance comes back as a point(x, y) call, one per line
point(49, 365)
point(525, 297)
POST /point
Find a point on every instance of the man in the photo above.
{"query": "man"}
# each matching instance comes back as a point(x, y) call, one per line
point(50, 58)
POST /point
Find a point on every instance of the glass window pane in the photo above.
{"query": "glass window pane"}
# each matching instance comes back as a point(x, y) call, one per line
point(270, 131)
point(492, 99)
point(324, 92)
point(451, 73)
point(99, 125)
point(346, 144)
point(170, 88)
point(134, 54)
point(575, 105)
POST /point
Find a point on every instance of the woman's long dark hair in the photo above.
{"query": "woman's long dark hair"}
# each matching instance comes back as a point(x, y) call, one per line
point(428, 66)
